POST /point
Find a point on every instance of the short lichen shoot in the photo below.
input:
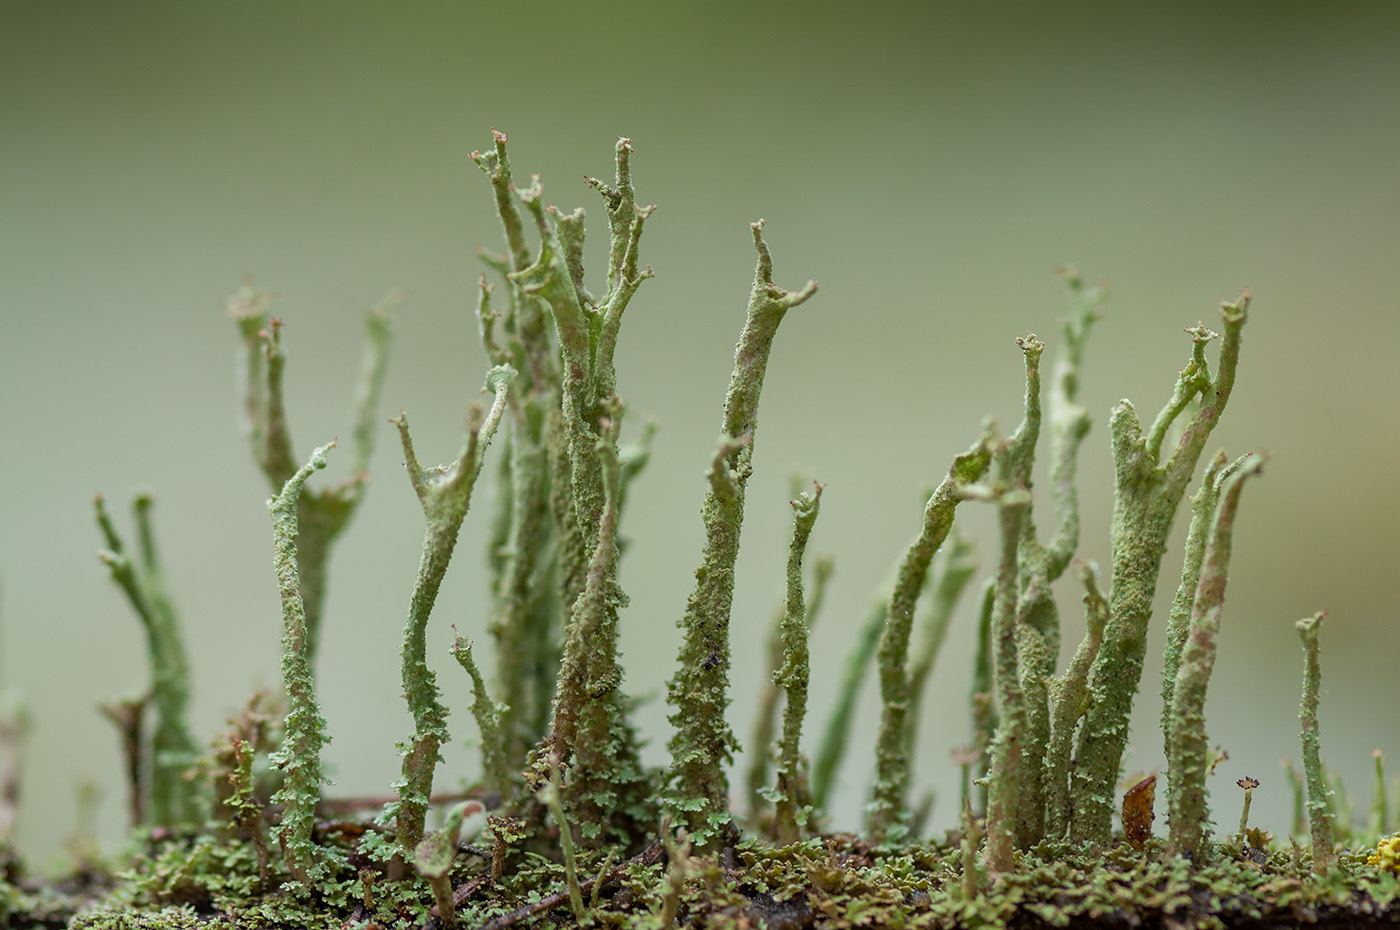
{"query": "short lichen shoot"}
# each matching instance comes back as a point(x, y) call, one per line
point(565, 825)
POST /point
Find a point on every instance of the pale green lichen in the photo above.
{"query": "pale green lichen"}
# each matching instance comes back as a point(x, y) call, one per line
point(585, 801)
point(173, 798)
point(837, 734)
point(1007, 749)
point(771, 695)
point(954, 570)
point(325, 512)
point(887, 816)
point(495, 767)
point(703, 743)
point(445, 493)
point(794, 674)
point(1147, 491)
point(299, 758)
point(1188, 751)
point(1319, 815)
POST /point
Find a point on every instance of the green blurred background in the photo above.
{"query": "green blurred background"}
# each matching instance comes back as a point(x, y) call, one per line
point(930, 164)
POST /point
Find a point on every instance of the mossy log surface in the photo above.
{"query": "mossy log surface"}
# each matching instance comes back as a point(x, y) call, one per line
point(832, 881)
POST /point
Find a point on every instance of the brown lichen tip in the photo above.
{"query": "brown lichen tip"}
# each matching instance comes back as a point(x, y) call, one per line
point(1248, 784)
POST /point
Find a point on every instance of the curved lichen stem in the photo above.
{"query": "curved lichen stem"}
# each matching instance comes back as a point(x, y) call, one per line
point(698, 694)
point(887, 813)
point(1147, 494)
point(173, 798)
point(299, 757)
point(444, 492)
point(1188, 752)
point(793, 676)
point(324, 513)
point(1005, 771)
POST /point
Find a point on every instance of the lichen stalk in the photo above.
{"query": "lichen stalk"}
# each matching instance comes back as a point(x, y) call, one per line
point(1319, 819)
point(837, 734)
point(1147, 492)
point(524, 617)
point(1188, 752)
point(173, 798)
point(607, 789)
point(703, 743)
point(1037, 622)
point(444, 492)
point(1069, 701)
point(1006, 770)
point(1203, 507)
point(495, 765)
point(952, 575)
point(304, 730)
point(324, 512)
point(982, 705)
point(795, 672)
point(763, 735)
point(887, 813)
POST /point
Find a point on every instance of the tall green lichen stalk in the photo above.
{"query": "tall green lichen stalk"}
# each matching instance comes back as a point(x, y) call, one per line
point(1147, 491)
point(1319, 813)
point(173, 796)
point(589, 712)
point(1069, 701)
point(771, 693)
point(1203, 507)
point(703, 743)
point(445, 492)
point(1008, 745)
point(299, 757)
point(323, 513)
point(837, 734)
point(795, 672)
point(1041, 564)
point(535, 519)
point(606, 784)
point(887, 812)
point(958, 566)
point(1188, 752)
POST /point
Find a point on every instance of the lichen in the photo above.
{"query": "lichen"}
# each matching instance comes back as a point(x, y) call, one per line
point(578, 831)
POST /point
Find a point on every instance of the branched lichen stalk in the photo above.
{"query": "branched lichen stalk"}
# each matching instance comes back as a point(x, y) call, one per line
point(444, 491)
point(1203, 505)
point(174, 798)
point(324, 513)
point(887, 813)
point(1070, 700)
point(495, 766)
point(795, 672)
point(1319, 819)
point(1188, 752)
point(703, 743)
point(304, 729)
point(1147, 492)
